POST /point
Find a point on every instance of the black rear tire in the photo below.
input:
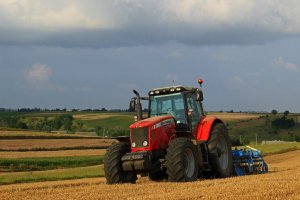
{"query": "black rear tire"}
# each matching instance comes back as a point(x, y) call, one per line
point(219, 152)
point(113, 164)
point(182, 165)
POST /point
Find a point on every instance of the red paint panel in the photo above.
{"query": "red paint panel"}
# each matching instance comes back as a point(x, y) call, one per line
point(158, 137)
point(204, 126)
point(150, 121)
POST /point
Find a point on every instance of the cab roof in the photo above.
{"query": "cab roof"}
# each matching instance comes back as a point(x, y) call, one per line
point(171, 89)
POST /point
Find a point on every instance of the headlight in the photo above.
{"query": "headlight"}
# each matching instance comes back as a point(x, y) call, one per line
point(133, 144)
point(145, 143)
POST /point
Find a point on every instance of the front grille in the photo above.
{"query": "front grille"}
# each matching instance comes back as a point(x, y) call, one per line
point(139, 135)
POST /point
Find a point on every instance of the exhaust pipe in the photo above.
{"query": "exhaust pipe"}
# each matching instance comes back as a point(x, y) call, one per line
point(138, 106)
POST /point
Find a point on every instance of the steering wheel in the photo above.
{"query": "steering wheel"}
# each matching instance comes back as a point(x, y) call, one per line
point(169, 111)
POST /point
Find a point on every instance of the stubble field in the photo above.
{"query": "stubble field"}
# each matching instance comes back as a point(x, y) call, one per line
point(283, 182)
point(227, 117)
point(44, 144)
point(46, 154)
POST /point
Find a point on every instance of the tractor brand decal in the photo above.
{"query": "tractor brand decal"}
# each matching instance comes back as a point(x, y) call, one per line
point(164, 123)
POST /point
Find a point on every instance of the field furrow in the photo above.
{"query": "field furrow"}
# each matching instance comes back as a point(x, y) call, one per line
point(281, 183)
point(32, 144)
point(45, 154)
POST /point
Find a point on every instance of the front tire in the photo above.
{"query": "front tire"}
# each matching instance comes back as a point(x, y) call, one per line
point(182, 165)
point(113, 164)
point(219, 151)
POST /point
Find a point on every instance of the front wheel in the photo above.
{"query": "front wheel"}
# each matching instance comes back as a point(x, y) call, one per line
point(113, 164)
point(219, 151)
point(182, 165)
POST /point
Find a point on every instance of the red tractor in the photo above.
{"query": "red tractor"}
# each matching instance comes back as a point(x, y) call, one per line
point(177, 141)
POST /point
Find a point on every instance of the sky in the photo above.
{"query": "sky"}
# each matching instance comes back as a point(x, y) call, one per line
point(93, 53)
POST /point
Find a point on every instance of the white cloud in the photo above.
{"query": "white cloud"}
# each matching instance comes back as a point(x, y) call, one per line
point(103, 23)
point(281, 63)
point(38, 73)
point(64, 14)
point(280, 16)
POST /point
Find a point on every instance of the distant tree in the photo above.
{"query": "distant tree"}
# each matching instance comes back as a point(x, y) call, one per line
point(103, 109)
point(63, 121)
point(21, 125)
point(67, 121)
point(274, 112)
point(98, 130)
point(57, 123)
point(286, 113)
point(283, 122)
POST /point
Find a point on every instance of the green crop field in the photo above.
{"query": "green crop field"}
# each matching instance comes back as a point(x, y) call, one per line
point(38, 164)
point(121, 122)
point(51, 175)
point(268, 149)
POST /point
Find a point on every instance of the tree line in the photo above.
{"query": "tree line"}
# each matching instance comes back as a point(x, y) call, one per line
point(22, 110)
point(61, 122)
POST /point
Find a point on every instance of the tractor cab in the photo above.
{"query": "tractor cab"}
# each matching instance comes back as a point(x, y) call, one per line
point(182, 103)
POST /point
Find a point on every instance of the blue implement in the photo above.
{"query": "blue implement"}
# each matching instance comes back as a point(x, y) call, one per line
point(248, 161)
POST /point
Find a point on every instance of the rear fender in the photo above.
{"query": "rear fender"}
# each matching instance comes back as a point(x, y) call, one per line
point(204, 127)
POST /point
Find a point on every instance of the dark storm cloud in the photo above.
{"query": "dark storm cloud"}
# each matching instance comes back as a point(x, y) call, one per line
point(98, 24)
point(137, 37)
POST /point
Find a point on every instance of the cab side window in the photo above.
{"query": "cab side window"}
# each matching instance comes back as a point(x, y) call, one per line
point(193, 107)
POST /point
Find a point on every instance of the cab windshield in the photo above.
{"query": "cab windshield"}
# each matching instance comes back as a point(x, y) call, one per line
point(171, 104)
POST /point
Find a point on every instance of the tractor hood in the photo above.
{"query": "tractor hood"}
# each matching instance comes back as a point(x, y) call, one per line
point(153, 121)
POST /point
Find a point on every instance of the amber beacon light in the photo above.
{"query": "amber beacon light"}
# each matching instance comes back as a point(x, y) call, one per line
point(200, 81)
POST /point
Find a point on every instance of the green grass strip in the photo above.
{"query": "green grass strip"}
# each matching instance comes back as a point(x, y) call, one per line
point(52, 175)
point(268, 149)
point(34, 164)
point(55, 149)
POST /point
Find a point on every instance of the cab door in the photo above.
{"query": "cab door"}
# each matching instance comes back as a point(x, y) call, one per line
point(193, 110)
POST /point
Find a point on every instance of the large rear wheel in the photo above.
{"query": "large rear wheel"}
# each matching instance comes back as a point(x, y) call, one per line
point(182, 165)
point(113, 164)
point(219, 151)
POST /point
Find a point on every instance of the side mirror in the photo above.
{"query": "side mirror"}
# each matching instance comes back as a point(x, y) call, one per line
point(132, 105)
point(190, 112)
point(199, 95)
